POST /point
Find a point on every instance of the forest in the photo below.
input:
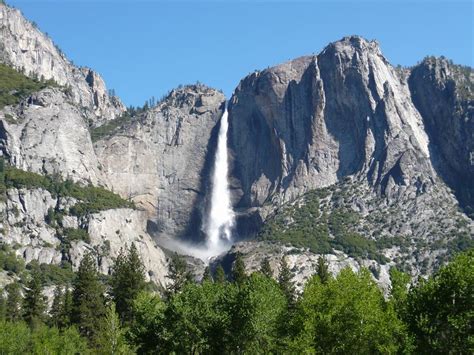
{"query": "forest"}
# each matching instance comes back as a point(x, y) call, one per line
point(239, 313)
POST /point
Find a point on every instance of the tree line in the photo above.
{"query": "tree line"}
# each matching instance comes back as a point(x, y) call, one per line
point(241, 313)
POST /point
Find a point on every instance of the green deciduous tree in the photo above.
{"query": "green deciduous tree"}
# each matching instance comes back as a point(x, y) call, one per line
point(198, 320)
point(146, 331)
point(440, 311)
point(111, 336)
point(257, 310)
point(347, 314)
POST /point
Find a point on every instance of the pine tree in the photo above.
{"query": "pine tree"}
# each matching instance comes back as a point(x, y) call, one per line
point(13, 306)
point(238, 270)
point(206, 276)
point(265, 267)
point(127, 281)
point(34, 304)
point(3, 306)
point(220, 277)
point(57, 307)
point(178, 274)
point(66, 311)
point(322, 270)
point(87, 299)
point(285, 282)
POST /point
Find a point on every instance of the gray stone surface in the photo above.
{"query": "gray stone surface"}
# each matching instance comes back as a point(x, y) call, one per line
point(26, 48)
point(162, 159)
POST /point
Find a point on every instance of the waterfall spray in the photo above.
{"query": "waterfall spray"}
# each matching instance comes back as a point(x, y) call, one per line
point(220, 220)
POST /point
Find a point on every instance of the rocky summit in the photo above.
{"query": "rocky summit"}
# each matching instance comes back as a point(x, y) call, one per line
point(337, 154)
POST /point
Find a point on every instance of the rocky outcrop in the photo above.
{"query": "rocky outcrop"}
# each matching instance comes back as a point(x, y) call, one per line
point(24, 226)
point(302, 263)
point(161, 160)
point(444, 94)
point(315, 120)
point(24, 47)
point(48, 134)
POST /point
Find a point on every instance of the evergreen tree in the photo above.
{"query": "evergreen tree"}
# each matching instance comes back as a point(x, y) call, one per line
point(322, 270)
point(3, 306)
point(87, 299)
point(178, 274)
point(66, 311)
point(57, 307)
point(238, 270)
point(111, 337)
point(13, 305)
point(127, 281)
point(207, 275)
point(265, 267)
point(220, 277)
point(34, 304)
point(285, 282)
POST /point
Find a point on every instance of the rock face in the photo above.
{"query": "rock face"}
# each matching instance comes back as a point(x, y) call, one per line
point(25, 47)
point(346, 112)
point(444, 95)
point(312, 121)
point(48, 134)
point(162, 160)
point(25, 228)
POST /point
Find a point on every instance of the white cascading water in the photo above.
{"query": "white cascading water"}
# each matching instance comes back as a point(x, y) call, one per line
point(220, 220)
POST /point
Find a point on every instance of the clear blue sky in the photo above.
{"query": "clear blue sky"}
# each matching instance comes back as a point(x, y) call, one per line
point(145, 48)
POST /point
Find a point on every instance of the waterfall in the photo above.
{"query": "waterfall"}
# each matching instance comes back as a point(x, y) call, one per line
point(220, 219)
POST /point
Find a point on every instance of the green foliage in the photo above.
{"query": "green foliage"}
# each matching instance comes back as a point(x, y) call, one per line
point(256, 314)
point(127, 281)
point(285, 281)
point(9, 261)
point(111, 337)
point(75, 234)
point(110, 127)
point(306, 224)
point(34, 305)
point(146, 331)
point(322, 270)
point(178, 274)
point(18, 338)
point(92, 198)
point(13, 303)
point(220, 275)
point(52, 274)
point(348, 314)
point(88, 299)
point(238, 270)
point(14, 86)
point(440, 311)
point(308, 227)
point(265, 267)
point(198, 320)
